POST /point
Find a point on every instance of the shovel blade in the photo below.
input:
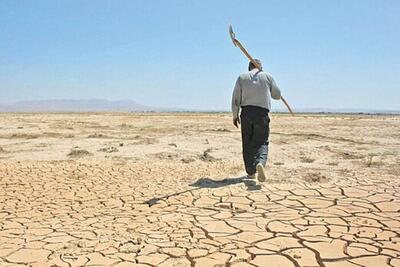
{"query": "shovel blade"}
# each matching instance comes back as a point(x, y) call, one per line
point(232, 35)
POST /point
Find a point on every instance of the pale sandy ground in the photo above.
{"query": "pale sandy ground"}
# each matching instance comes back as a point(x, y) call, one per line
point(167, 190)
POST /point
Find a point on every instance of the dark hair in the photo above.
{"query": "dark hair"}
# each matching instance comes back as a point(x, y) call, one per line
point(252, 66)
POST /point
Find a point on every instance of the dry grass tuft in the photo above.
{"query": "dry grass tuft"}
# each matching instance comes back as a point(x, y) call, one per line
point(207, 157)
point(305, 159)
point(109, 149)
point(369, 161)
point(333, 163)
point(77, 153)
point(23, 136)
point(315, 178)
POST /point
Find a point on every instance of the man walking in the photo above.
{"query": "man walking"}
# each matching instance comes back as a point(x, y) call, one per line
point(252, 96)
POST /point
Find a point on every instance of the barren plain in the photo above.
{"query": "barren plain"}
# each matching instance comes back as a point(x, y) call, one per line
point(130, 189)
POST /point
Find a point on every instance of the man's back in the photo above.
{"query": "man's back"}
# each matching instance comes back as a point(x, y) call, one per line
point(254, 88)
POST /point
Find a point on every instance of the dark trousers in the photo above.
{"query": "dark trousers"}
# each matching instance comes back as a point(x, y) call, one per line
point(255, 135)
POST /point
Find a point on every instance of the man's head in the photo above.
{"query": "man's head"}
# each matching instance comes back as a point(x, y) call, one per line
point(251, 65)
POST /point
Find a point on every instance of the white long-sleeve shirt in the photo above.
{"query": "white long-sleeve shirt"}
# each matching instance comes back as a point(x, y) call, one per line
point(254, 88)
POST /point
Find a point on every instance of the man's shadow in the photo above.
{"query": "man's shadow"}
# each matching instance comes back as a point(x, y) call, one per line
point(250, 184)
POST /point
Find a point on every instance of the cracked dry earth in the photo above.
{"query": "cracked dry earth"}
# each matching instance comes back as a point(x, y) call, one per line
point(168, 190)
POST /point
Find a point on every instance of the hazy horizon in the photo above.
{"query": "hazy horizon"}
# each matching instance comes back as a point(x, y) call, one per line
point(327, 54)
point(129, 105)
point(227, 109)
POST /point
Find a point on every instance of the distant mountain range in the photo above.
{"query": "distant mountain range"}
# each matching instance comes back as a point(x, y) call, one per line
point(103, 105)
point(70, 105)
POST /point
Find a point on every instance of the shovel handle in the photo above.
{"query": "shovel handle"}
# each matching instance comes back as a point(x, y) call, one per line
point(238, 44)
point(287, 105)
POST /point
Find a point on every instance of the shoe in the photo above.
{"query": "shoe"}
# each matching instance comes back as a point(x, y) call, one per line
point(260, 173)
point(251, 176)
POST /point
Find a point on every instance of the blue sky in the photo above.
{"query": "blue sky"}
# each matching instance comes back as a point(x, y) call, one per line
point(323, 54)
